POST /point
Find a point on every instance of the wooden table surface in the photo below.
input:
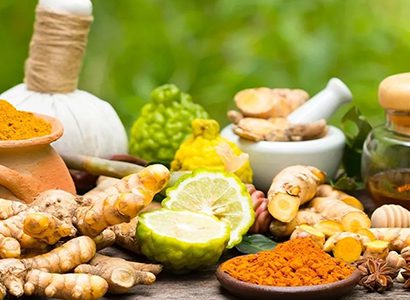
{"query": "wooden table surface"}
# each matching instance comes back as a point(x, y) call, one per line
point(203, 285)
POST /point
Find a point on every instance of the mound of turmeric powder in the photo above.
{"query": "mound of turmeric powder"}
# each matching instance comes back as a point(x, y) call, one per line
point(298, 262)
point(20, 125)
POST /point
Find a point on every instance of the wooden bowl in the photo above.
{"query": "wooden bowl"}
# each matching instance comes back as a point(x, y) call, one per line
point(244, 290)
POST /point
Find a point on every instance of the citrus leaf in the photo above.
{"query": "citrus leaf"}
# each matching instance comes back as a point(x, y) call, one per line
point(253, 243)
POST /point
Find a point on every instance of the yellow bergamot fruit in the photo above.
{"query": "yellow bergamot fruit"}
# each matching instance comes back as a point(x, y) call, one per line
point(205, 148)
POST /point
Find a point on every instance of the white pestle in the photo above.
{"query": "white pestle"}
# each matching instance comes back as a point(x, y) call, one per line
point(76, 7)
point(323, 104)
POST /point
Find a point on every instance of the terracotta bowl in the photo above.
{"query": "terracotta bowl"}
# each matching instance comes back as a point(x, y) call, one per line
point(244, 290)
point(31, 166)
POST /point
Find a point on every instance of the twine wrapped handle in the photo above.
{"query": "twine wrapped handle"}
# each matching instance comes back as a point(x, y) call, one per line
point(56, 51)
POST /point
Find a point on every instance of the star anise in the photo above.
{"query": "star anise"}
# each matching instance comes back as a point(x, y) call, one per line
point(377, 276)
point(406, 275)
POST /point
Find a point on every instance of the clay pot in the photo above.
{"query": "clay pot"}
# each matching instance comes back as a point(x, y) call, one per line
point(31, 166)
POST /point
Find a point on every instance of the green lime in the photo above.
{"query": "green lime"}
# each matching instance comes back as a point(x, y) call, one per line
point(216, 193)
point(181, 240)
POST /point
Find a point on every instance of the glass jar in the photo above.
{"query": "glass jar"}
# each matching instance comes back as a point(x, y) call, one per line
point(386, 151)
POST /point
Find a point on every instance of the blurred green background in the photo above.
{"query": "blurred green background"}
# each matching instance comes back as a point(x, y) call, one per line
point(213, 48)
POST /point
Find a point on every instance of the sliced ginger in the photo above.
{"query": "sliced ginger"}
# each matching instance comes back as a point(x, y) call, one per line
point(292, 187)
point(269, 103)
point(377, 249)
point(256, 102)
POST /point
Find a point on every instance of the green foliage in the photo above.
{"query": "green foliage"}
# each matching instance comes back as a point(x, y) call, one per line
point(253, 243)
point(212, 49)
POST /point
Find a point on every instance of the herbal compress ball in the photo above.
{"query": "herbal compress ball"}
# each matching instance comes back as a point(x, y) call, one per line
point(164, 123)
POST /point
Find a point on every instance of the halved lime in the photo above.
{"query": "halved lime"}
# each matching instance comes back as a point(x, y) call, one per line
point(216, 193)
point(181, 240)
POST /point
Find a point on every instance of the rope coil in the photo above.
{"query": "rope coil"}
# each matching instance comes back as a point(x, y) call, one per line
point(56, 52)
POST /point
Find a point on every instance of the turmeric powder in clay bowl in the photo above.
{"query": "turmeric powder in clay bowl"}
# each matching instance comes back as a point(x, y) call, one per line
point(28, 163)
point(295, 270)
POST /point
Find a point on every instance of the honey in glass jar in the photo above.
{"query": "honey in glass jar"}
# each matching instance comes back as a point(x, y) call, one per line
point(386, 151)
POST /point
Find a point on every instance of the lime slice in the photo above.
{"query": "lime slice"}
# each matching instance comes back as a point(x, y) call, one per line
point(181, 240)
point(216, 193)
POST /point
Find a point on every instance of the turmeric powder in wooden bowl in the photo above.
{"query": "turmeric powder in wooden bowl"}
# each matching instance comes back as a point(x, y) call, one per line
point(297, 269)
point(28, 163)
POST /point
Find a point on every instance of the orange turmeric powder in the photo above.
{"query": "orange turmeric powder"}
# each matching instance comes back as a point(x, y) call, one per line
point(298, 262)
point(20, 125)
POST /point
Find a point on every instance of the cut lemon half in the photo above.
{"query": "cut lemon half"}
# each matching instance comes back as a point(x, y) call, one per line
point(215, 193)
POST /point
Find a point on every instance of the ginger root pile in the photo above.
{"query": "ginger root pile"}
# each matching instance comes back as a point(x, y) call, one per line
point(263, 113)
point(40, 227)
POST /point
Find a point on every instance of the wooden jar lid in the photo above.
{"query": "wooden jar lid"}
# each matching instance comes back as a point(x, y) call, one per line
point(394, 92)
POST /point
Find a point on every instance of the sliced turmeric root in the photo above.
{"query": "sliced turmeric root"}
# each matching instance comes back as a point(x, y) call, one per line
point(348, 249)
point(366, 232)
point(353, 202)
point(355, 220)
point(292, 187)
point(304, 231)
point(329, 227)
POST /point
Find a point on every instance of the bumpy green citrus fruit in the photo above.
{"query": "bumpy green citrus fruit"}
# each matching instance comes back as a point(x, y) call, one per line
point(217, 193)
point(181, 240)
point(164, 123)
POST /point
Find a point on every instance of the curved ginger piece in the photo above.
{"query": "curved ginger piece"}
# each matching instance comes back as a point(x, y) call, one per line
point(292, 187)
point(125, 235)
point(9, 208)
point(326, 190)
point(12, 276)
point(64, 258)
point(65, 286)
point(351, 218)
point(123, 201)
point(13, 227)
point(46, 228)
point(120, 274)
point(105, 239)
point(9, 247)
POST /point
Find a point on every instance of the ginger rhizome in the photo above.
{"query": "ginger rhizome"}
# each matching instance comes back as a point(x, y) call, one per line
point(291, 188)
point(65, 286)
point(55, 214)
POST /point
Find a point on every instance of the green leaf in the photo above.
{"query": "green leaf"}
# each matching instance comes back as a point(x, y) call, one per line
point(345, 183)
point(356, 129)
point(253, 243)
